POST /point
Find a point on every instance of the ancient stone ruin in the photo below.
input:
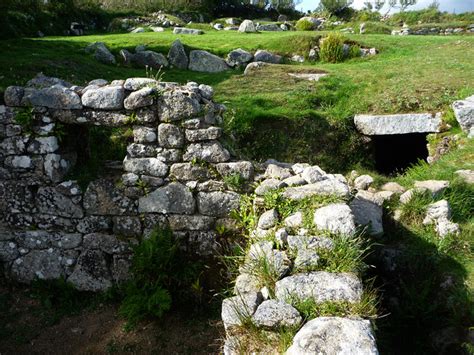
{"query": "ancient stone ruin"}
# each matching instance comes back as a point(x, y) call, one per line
point(53, 228)
point(176, 173)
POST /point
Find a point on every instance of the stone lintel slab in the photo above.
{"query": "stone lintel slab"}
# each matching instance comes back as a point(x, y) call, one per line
point(380, 125)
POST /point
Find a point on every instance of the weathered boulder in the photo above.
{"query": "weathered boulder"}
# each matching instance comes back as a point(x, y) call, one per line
point(211, 152)
point(294, 221)
point(101, 52)
point(187, 31)
point(144, 134)
point(247, 26)
point(140, 98)
point(203, 134)
point(172, 198)
point(363, 182)
point(372, 125)
point(466, 175)
point(239, 57)
point(324, 187)
point(51, 201)
point(274, 314)
point(254, 67)
point(203, 61)
point(56, 96)
point(334, 335)
point(246, 283)
point(38, 264)
point(267, 57)
point(336, 218)
point(150, 59)
point(320, 286)
point(464, 112)
point(170, 136)
point(268, 27)
point(147, 166)
point(268, 219)
point(436, 187)
point(176, 105)
point(236, 310)
point(177, 56)
point(134, 84)
point(91, 272)
point(190, 172)
point(217, 203)
point(104, 98)
point(367, 212)
point(268, 185)
point(103, 198)
point(313, 174)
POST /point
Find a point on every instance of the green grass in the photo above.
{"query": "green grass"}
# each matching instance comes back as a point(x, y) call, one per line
point(271, 114)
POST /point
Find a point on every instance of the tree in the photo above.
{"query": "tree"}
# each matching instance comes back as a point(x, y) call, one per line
point(374, 5)
point(434, 5)
point(335, 6)
point(404, 4)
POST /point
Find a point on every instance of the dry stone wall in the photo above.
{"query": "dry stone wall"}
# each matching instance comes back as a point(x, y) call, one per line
point(51, 228)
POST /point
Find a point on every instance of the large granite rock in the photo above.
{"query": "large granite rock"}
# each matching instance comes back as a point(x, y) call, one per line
point(211, 152)
point(324, 187)
point(320, 286)
point(464, 112)
point(217, 203)
point(149, 59)
point(57, 97)
point(236, 310)
point(203, 61)
point(187, 31)
point(172, 198)
point(336, 218)
point(91, 272)
point(247, 26)
point(177, 56)
point(104, 98)
point(372, 125)
point(334, 335)
point(103, 198)
point(239, 57)
point(274, 314)
point(368, 211)
point(267, 57)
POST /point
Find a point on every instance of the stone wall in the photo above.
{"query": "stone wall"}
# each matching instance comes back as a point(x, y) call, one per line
point(51, 228)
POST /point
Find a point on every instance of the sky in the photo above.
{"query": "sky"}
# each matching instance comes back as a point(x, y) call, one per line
point(445, 5)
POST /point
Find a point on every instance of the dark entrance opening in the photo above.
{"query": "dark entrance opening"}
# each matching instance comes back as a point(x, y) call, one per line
point(395, 153)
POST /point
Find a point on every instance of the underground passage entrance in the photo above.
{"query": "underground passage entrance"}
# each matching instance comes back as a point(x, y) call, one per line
point(395, 153)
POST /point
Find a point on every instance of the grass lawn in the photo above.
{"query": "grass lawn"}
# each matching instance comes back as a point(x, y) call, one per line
point(271, 114)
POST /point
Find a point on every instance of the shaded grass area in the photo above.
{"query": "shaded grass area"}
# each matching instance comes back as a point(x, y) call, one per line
point(427, 282)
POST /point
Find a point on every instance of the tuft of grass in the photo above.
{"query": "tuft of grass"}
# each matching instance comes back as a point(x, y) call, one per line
point(414, 211)
point(365, 308)
point(347, 255)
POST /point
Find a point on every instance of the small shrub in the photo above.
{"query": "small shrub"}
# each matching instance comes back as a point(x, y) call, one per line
point(332, 48)
point(25, 119)
point(304, 25)
point(161, 276)
point(354, 51)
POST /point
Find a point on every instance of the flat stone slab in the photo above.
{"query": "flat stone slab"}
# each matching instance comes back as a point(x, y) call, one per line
point(307, 76)
point(372, 125)
point(334, 335)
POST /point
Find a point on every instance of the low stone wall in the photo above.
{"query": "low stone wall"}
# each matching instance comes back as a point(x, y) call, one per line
point(51, 228)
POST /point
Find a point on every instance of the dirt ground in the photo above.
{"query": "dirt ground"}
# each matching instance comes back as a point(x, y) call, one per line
point(27, 328)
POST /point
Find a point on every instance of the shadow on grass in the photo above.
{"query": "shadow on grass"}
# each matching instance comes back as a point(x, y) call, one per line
point(427, 305)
